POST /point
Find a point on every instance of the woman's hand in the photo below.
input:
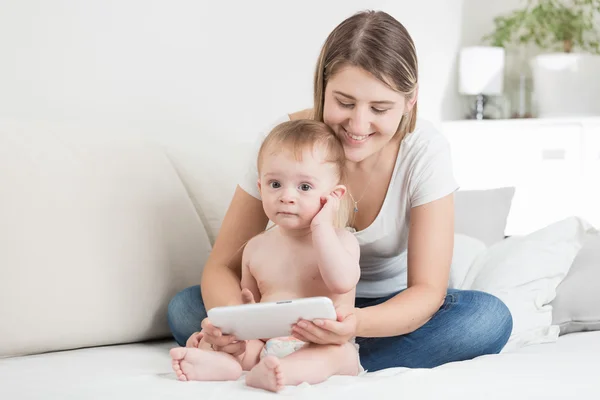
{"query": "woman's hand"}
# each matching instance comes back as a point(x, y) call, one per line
point(194, 340)
point(220, 342)
point(225, 343)
point(322, 331)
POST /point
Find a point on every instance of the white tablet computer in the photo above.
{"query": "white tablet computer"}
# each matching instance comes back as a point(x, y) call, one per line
point(269, 320)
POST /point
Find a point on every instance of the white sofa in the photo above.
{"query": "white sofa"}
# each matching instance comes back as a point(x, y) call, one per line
point(98, 230)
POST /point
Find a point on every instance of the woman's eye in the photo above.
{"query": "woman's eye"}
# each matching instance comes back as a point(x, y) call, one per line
point(305, 187)
point(275, 185)
point(345, 105)
point(378, 110)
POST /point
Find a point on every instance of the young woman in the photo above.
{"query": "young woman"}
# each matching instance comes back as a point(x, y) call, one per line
point(400, 180)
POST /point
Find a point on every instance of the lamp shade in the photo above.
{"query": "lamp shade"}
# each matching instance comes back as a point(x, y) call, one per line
point(481, 70)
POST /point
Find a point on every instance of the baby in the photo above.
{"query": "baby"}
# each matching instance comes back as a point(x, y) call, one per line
point(307, 253)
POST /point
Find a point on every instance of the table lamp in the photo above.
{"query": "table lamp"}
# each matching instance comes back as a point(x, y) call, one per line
point(481, 74)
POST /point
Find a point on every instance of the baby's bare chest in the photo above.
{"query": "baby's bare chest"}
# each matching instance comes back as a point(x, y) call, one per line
point(293, 271)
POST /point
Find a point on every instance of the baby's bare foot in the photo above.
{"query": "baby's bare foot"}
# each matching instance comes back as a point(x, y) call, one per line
point(203, 365)
point(266, 374)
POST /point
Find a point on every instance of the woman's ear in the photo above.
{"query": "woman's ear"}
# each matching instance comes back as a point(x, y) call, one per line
point(339, 191)
point(412, 101)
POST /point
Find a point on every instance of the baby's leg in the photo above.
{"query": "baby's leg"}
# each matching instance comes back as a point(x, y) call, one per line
point(251, 356)
point(204, 364)
point(312, 364)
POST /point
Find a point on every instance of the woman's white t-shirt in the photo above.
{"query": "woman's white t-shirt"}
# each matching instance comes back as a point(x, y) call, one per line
point(422, 173)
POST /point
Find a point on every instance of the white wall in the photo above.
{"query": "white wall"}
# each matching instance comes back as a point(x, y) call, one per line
point(479, 17)
point(193, 66)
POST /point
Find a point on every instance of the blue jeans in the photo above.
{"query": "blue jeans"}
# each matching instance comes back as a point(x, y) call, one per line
point(467, 325)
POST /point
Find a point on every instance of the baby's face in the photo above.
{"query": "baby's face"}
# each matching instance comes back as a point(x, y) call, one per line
point(291, 189)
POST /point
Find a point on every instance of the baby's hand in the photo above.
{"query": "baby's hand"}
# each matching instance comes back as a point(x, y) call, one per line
point(247, 296)
point(329, 208)
point(194, 340)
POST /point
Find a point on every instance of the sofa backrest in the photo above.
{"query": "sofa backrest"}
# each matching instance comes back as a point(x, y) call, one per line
point(97, 233)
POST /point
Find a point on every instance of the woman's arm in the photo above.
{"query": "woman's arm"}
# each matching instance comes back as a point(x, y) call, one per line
point(245, 218)
point(430, 246)
point(248, 280)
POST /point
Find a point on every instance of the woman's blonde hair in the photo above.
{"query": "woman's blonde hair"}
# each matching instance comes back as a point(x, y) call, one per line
point(376, 42)
point(305, 134)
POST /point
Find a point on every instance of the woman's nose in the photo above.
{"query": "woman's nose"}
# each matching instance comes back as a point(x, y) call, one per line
point(359, 122)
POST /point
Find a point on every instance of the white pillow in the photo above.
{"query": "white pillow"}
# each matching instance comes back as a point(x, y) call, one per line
point(97, 234)
point(576, 307)
point(483, 214)
point(524, 273)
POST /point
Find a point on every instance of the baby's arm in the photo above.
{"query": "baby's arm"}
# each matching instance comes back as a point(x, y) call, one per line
point(337, 255)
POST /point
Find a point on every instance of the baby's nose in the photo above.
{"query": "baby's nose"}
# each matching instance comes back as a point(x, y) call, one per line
point(288, 197)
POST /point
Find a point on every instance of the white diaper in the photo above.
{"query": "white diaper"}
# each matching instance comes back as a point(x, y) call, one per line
point(281, 347)
point(284, 346)
point(361, 370)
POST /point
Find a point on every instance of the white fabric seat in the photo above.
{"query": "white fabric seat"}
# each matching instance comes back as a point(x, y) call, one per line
point(566, 369)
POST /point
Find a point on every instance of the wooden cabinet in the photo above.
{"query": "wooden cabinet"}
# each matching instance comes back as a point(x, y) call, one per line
point(553, 164)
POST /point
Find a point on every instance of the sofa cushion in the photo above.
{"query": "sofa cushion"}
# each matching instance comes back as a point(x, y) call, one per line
point(97, 234)
point(210, 169)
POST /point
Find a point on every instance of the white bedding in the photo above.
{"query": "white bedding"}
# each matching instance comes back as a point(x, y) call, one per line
point(567, 369)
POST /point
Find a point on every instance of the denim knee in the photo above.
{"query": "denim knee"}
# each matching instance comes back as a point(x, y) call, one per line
point(185, 313)
point(491, 325)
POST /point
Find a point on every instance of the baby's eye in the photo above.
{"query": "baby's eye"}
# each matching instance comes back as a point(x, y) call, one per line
point(275, 185)
point(305, 187)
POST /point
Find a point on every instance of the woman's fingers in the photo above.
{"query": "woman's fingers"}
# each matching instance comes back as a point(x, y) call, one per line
point(209, 328)
point(214, 336)
point(315, 334)
point(331, 327)
point(194, 339)
point(323, 331)
point(317, 330)
point(219, 341)
point(307, 336)
point(299, 336)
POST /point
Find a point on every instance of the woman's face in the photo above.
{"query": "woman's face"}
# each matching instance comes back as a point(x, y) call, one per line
point(362, 111)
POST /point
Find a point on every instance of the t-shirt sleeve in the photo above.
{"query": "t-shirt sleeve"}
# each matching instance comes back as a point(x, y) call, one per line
point(248, 180)
point(433, 175)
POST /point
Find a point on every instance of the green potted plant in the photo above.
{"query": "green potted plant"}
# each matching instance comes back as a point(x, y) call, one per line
point(566, 34)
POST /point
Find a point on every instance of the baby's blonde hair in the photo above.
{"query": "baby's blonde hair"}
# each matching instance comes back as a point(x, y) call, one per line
point(305, 134)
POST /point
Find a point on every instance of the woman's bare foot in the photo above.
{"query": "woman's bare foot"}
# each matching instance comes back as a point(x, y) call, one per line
point(266, 374)
point(203, 365)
